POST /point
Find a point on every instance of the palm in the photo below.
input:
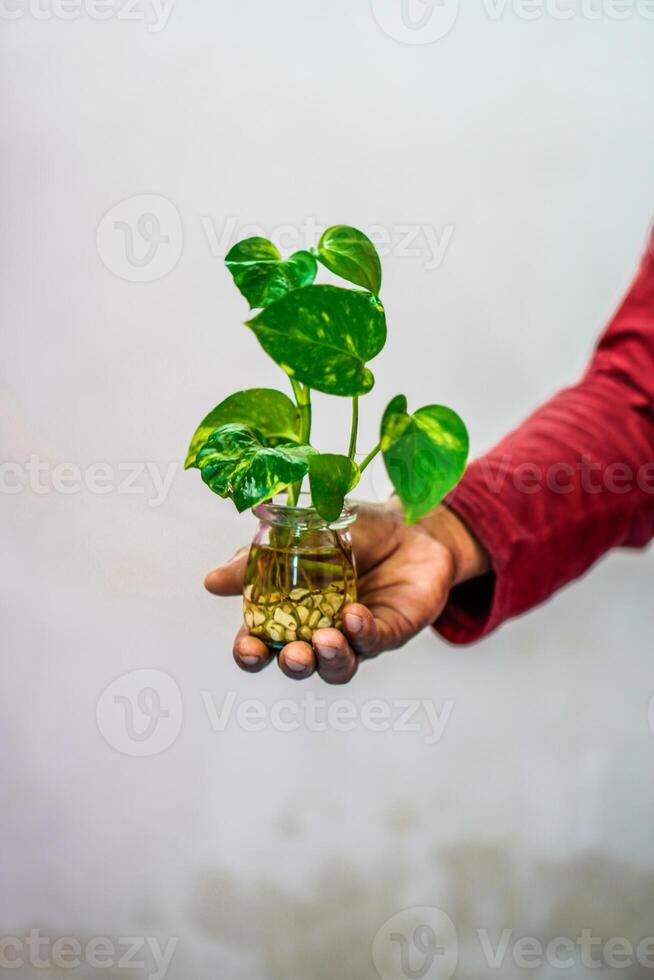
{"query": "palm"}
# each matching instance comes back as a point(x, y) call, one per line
point(405, 576)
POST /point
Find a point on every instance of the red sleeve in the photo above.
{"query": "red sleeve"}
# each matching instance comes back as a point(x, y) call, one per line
point(573, 481)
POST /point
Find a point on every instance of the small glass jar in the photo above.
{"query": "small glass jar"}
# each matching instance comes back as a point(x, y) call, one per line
point(300, 573)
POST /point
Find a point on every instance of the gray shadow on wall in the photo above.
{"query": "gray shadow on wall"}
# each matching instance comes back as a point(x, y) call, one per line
point(328, 931)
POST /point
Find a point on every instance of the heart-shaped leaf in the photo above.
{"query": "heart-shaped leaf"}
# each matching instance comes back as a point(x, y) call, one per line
point(330, 477)
point(425, 454)
point(235, 462)
point(350, 254)
point(268, 411)
point(323, 336)
point(262, 275)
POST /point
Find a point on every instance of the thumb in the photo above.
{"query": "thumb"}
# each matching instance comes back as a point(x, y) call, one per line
point(228, 579)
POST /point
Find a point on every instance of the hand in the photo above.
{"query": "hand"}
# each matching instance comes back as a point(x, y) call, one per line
point(404, 577)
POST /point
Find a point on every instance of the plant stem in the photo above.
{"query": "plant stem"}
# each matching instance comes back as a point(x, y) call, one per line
point(303, 399)
point(355, 427)
point(305, 415)
point(297, 389)
point(369, 458)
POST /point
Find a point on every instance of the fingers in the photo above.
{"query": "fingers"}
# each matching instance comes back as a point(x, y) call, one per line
point(362, 630)
point(336, 661)
point(250, 653)
point(227, 579)
point(297, 660)
point(331, 655)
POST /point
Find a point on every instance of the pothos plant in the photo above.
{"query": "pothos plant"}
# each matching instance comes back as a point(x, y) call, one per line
point(257, 443)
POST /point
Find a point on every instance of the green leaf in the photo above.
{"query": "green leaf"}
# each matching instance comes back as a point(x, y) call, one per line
point(330, 478)
point(235, 462)
point(397, 406)
point(350, 254)
point(323, 336)
point(268, 411)
point(263, 276)
point(425, 454)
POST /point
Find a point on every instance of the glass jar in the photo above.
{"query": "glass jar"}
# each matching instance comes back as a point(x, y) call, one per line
point(300, 573)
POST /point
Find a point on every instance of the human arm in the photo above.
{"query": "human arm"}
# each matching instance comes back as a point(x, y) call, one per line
point(575, 480)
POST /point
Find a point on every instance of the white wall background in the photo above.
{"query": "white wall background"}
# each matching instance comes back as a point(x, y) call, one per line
point(272, 855)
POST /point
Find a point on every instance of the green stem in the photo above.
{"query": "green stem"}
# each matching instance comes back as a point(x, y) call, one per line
point(293, 494)
point(369, 458)
point(355, 427)
point(297, 389)
point(305, 416)
point(303, 399)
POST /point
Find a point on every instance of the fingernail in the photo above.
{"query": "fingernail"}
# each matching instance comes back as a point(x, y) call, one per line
point(297, 666)
point(353, 622)
point(327, 653)
point(248, 660)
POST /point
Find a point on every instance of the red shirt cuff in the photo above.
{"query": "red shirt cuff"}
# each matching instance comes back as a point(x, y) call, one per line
point(475, 608)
